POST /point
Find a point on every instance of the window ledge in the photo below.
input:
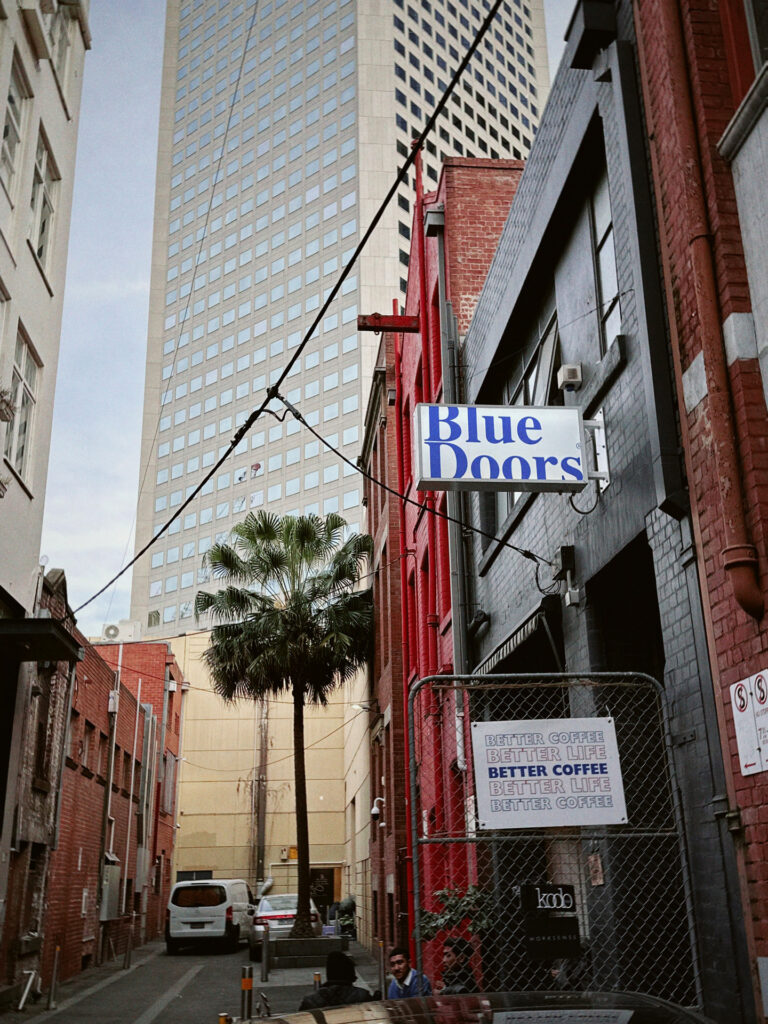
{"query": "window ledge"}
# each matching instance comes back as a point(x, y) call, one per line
point(41, 268)
point(87, 772)
point(603, 375)
point(746, 117)
point(41, 785)
point(19, 479)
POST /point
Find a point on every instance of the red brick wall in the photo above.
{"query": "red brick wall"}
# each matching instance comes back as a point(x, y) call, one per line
point(74, 867)
point(738, 644)
point(476, 197)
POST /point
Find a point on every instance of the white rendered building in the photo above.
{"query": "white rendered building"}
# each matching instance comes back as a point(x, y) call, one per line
point(282, 126)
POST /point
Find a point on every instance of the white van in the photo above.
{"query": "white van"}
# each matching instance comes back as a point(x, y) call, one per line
point(209, 908)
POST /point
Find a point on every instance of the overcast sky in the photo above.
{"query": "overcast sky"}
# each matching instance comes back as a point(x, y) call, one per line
point(94, 467)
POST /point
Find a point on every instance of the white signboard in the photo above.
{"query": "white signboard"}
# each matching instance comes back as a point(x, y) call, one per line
point(546, 773)
point(499, 448)
point(749, 698)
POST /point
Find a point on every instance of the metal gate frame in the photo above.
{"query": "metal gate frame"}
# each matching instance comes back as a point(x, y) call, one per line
point(508, 681)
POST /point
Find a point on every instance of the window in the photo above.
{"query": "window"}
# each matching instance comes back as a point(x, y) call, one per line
point(18, 433)
point(531, 384)
point(58, 25)
point(41, 203)
point(12, 128)
point(605, 264)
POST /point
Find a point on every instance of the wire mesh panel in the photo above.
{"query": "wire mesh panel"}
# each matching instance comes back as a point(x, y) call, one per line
point(546, 831)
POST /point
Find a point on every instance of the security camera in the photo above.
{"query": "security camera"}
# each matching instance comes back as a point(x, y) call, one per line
point(375, 813)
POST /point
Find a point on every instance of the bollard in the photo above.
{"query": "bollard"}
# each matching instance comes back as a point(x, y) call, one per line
point(317, 979)
point(382, 971)
point(129, 943)
point(224, 1018)
point(265, 953)
point(51, 1004)
point(246, 993)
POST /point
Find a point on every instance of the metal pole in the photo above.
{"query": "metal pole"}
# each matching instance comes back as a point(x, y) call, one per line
point(51, 1004)
point(265, 953)
point(317, 979)
point(246, 993)
point(382, 972)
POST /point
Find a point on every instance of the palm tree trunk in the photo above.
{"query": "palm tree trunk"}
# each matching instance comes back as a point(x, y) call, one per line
point(302, 927)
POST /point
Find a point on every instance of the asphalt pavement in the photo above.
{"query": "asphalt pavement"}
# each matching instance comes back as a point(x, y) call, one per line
point(155, 980)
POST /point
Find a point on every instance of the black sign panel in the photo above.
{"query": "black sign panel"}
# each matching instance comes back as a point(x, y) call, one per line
point(546, 899)
point(549, 938)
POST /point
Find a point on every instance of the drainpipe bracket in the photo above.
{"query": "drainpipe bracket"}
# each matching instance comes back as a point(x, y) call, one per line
point(739, 554)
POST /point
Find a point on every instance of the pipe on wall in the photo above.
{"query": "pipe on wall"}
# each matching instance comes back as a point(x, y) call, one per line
point(739, 554)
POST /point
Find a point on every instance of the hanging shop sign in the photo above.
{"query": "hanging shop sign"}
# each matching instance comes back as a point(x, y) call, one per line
point(499, 447)
point(547, 773)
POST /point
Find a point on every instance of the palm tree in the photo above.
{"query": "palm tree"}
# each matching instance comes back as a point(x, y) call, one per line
point(288, 620)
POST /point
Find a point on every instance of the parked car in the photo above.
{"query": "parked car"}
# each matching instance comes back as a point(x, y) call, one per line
point(509, 1008)
point(278, 911)
point(211, 908)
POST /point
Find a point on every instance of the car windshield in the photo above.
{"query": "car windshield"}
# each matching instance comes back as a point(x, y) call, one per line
point(287, 901)
point(199, 896)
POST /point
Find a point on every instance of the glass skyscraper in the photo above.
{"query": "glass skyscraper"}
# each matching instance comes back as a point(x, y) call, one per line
point(282, 127)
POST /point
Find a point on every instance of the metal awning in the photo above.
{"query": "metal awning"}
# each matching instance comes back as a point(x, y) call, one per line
point(38, 640)
point(536, 618)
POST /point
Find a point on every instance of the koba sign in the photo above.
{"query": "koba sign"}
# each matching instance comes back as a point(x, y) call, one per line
point(499, 447)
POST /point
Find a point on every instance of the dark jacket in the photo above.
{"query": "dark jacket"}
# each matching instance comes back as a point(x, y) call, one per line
point(332, 994)
point(459, 981)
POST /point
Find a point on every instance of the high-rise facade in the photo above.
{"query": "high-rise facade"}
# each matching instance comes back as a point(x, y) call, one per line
point(282, 126)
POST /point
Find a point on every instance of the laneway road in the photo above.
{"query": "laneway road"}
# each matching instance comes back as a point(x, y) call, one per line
point(192, 988)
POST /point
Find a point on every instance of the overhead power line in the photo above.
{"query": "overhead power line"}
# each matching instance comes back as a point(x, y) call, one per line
point(249, 422)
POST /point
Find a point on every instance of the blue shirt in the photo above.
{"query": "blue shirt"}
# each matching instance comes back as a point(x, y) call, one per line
point(414, 984)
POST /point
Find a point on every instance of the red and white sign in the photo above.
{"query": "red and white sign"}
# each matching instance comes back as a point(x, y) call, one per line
point(749, 699)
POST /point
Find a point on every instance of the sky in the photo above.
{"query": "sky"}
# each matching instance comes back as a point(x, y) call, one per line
point(94, 466)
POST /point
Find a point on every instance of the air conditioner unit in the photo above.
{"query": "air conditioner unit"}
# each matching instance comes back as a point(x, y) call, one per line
point(569, 377)
point(124, 630)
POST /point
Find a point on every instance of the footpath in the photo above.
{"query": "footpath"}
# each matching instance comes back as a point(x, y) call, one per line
point(284, 989)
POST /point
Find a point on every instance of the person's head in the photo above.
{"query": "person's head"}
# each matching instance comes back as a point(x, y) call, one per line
point(340, 969)
point(400, 962)
point(455, 952)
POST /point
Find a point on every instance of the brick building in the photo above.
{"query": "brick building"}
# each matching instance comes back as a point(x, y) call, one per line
point(705, 85)
point(150, 672)
point(109, 873)
point(33, 790)
point(412, 587)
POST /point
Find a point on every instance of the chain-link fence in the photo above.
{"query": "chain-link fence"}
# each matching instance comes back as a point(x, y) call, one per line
point(547, 831)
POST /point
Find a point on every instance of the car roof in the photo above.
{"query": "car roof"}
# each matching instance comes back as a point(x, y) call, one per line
point(508, 1008)
point(208, 881)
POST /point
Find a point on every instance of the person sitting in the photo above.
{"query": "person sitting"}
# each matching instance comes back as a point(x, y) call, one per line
point(405, 981)
point(457, 977)
point(338, 989)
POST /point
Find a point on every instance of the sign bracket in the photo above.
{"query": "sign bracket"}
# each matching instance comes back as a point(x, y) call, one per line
point(601, 472)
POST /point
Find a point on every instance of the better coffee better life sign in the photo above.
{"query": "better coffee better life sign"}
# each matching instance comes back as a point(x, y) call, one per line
point(499, 447)
point(545, 773)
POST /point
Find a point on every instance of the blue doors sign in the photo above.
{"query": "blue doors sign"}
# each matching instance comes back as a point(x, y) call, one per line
point(499, 447)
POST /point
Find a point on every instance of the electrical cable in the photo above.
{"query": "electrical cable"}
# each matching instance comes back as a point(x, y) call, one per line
point(530, 555)
point(288, 757)
point(559, 326)
point(243, 430)
point(214, 182)
point(584, 511)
